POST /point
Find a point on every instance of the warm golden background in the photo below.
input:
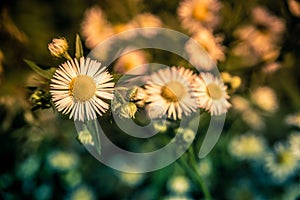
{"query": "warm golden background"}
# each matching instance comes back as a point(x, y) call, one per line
point(256, 47)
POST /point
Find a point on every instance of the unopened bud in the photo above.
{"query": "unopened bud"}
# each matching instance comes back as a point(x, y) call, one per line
point(58, 47)
point(136, 94)
point(85, 137)
point(128, 110)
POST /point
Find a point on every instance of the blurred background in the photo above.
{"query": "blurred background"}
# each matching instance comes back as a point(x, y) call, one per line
point(256, 47)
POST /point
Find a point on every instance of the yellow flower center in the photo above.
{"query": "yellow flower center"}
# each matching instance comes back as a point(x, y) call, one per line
point(82, 87)
point(285, 158)
point(173, 91)
point(214, 91)
point(200, 12)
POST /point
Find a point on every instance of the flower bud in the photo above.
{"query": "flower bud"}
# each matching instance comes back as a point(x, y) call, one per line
point(58, 47)
point(136, 94)
point(85, 137)
point(128, 110)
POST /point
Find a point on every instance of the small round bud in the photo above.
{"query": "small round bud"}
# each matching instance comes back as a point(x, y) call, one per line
point(128, 110)
point(58, 47)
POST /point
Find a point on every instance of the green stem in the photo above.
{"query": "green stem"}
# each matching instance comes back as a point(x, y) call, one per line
point(193, 172)
point(198, 176)
point(67, 56)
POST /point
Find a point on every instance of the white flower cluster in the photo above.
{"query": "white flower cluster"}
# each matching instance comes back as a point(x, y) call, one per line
point(80, 88)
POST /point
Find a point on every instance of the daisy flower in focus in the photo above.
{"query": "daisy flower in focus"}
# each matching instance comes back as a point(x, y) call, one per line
point(282, 163)
point(197, 14)
point(169, 92)
point(78, 89)
point(247, 146)
point(210, 93)
point(95, 27)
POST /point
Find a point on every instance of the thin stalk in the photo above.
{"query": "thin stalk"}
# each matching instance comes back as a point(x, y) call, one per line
point(193, 172)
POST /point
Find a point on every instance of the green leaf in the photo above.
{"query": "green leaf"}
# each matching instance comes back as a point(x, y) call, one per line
point(46, 73)
point(78, 47)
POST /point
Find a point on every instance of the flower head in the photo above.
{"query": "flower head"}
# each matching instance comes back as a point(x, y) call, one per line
point(169, 92)
point(58, 47)
point(262, 37)
point(210, 43)
point(197, 14)
point(95, 27)
point(294, 7)
point(131, 63)
point(179, 184)
point(247, 146)
point(128, 110)
point(210, 94)
point(265, 98)
point(282, 163)
point(294, 142)
point(79, 89)
point(293, 120)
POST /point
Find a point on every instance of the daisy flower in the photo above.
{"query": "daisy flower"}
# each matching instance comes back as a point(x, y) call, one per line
point(95, 27)
point(79, 88)
point(210, 94)
point(169, 92)
point(247, 146)
point(293, 120)
point(210, 43)
point(179, 184)
point(294, 141)
point(282, 163)
point(145, 20)
point(264, 35)
point(265, 98)
point(294, 7)
point(131, 62)
point(197, 14)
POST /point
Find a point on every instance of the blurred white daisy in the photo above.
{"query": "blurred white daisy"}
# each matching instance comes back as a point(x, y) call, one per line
point(131, 179)
point(205, 167)
point(197, 14)
point(95, 27)
point(239, 103)
point(82, 193)
point(132, 62)
point(265, 98)
point(210, 94)
point(247, 146)
point(169, 92)
point(293, 120)
point(263, 36)
point(282, 163)
point(79, 89)
point(179, 184)
point(253, 119)
point(61, 160)
point(294, 7)
point(145, 20)
point(210, 43)
point(294, 142)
